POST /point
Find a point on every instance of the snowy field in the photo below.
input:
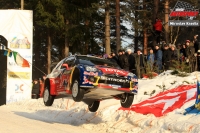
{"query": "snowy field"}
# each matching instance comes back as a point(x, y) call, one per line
point(65, 115)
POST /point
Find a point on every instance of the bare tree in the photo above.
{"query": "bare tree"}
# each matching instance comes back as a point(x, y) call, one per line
point(107, 27)
point(118, 40)
point(166, 21)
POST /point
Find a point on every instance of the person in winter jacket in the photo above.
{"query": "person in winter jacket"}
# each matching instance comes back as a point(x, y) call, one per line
point(189, 51)
point(190, 58)
point(166, 57)
point(114, 57)
point(123, 60)
point(174, 53)
point(131, 61)
point(150, 58)
point(139, 63)
point(158, 57)
point(158, 29)
point(35, 89)
point(196, 44)
point(198, 60)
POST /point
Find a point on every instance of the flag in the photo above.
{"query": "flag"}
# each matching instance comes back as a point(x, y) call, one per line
point(197, 102)
point(194, 109)
point(7, 53)
point(165, 102)
point(20, 60)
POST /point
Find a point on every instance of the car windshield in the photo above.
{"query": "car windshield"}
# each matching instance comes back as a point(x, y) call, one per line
point(90, 60)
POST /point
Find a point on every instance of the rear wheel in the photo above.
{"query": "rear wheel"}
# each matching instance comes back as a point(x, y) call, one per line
point(77, 92)
point(94, 106)
point(48, 98)
point(126, 100)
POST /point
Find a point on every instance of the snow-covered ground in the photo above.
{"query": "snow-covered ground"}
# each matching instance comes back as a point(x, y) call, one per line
point(68, 116)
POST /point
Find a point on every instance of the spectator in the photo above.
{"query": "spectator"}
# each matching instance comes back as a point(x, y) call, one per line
point(110, 58)
point(166, 57)
point(150, 58)
point(174, 53)
point(139, 64)
point(44, 77)
point(105, 56)
point(123, 61)
point(196, 43)
point(35, 89)
point(190, 58)
point(41, 87)
point(114, 57)
point(158, 57)
point(158, 29)
point(189, 51)
point(198, 60)
point(123, 51)
point(182, 52)
point(131, 61)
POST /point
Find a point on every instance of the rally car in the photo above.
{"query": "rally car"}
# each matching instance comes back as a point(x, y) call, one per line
point(90, 79)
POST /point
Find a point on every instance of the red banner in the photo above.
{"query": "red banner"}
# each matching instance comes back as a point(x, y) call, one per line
point(165, 102)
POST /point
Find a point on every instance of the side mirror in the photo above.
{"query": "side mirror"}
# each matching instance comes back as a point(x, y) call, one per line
point(66, 66)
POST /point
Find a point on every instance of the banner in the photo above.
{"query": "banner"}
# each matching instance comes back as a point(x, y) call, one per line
point(165, 102)
point(17, 27)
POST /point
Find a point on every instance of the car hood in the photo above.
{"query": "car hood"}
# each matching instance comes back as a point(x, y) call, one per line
point(107, 70)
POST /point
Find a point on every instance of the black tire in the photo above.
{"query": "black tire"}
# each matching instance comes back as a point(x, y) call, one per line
point(94, 106)
point(48, 98)
point(126, 100)
point(77, 92)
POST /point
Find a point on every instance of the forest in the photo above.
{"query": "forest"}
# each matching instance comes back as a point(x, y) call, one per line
point(97, 26)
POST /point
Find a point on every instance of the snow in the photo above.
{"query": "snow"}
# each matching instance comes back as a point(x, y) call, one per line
point(65, 115)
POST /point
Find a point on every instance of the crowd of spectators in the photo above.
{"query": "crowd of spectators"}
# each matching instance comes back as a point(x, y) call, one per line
point(161, 56)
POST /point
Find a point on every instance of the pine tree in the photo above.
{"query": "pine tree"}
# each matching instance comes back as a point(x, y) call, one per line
point(151, 70)
point(179, 67)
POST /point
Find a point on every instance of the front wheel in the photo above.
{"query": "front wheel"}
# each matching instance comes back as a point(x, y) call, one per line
point(94, 106)
point(48, 98)
point(126, 100)
point(77, 92)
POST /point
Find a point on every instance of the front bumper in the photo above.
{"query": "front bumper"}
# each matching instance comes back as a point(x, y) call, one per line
point(124, 84)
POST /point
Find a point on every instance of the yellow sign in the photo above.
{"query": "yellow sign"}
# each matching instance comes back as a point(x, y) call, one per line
point(20, 75)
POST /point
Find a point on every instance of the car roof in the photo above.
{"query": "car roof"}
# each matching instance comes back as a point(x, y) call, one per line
point(89, 56)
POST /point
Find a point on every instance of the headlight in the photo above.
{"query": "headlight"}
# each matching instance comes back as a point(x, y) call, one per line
point(91, 69)
point(131, 74)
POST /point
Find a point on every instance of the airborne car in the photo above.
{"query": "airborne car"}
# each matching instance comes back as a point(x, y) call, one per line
point(90, 79)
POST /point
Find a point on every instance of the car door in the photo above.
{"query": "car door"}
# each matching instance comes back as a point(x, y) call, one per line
point(68, 64)
point(55, 74)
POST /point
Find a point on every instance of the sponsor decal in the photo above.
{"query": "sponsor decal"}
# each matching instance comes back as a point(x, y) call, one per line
point(134, 79)
point(90, 73)
point(114, 70)
point(86, 81)
point(184, 9)
point(20, 75)
point(115, 86)
point(12, 64)
point(18, 88)
point(20, 42)
point(56, 81)
point(114, 79)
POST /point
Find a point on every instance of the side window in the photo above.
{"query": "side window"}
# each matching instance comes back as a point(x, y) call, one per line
point(70, 61)
point(58, 65)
